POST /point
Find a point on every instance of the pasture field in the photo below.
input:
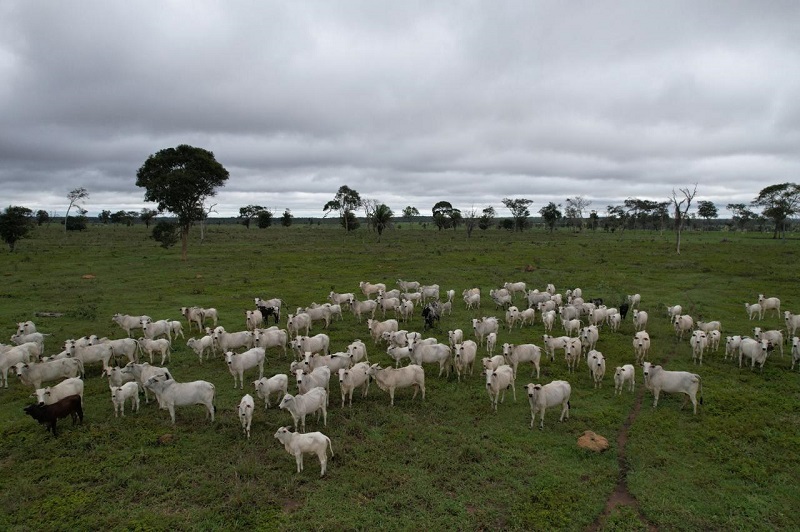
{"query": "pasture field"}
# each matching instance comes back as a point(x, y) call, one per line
point(448, 462)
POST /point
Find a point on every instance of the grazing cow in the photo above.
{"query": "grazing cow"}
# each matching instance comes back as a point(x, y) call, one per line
point(172, 394)
point(770, 303)
point(551, 394)
point(775, 337)
point(238, 363)
point(246, 407)
point(682, 324)
point(755, 350)
point(313, 401)
point(658, 380)
point(120, 394)
point(699, 343)
point(754, 310)
point(299, 444)
point(795, 350)
point(464, 357)
point(514, 354)
point(352, 378)
point(641, 345)
point(624, 374)
point(597, 367)
point(266, 386)
point(390, 379)
point(639, 320)
point(499, 380)
point(49, 414)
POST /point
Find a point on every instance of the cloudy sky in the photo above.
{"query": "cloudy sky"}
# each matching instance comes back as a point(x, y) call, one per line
point(406, 102)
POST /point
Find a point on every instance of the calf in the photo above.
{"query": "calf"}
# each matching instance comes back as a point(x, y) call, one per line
point(246, 407)
point(311, 443)
point(658, 379)
point(206, 343)
point(49, 414)
point(120, 394)
point(754, 310)
point(551, 394)
point(622, 375)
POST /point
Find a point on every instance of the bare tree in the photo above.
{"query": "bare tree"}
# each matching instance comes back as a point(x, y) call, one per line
point(74, 196)
point(681, 209)
point(574, 210)
point(470, 220)
point(205, 212)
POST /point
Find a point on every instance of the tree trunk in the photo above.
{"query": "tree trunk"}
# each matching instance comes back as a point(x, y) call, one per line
point(184, 242)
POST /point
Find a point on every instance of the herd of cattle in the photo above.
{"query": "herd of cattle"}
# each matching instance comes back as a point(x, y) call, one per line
point(314, 364)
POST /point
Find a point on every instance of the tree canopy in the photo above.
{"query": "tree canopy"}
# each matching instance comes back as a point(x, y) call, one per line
point(74, 196)
point(442, 213)
point(15, 224)
point(179, 180)
point(345, 202)
point(551, 215)
point(519, 211)
point(779, 202)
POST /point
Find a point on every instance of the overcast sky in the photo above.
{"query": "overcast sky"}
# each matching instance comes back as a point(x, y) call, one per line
point(406, 102)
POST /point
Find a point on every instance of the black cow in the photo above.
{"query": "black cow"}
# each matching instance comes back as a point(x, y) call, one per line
point(266, 312)
point(431, 315)
point(48, 414)
point(623, 310)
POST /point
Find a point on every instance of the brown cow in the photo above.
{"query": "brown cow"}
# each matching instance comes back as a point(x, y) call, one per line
point(48, 414)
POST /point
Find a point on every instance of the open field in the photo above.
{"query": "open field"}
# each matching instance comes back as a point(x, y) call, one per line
point(448, 462)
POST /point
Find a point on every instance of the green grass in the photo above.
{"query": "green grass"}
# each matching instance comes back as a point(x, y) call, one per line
point(446, 463)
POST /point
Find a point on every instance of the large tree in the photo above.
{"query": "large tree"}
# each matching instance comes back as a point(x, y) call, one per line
point(741, 215)
point(15, 224)
point(779, 202)
point(409, 212)
point(519, 211)
point(487, 218)
point(74, 196)
point(42, 217)
point(345, 202)
point(147, 216)
point(442, 213)
point(246, 214)
point(707, 210)
point(574, 210)
point(551, 215)
point(179, 180)
point(381, 217)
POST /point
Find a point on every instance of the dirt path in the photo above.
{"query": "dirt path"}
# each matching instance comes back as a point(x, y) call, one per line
point(621, 496)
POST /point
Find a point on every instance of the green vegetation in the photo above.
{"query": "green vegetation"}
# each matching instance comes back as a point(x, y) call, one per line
point(446, 463)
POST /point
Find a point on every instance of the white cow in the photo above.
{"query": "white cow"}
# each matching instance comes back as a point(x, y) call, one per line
point(297, 323)
point(795, 350)
point(639, 320)
point(548, 320)
point(775, 337)
point(253, 319)
point(154, 329)
point(464, 357)
point(120, 394)
point(708, 326)
point(792, 323)
point(527, 316)
point(513, 288)
point(491, 342)
point(589, 336)
point(352, 378)
point(128, 322)
point(319, 343)
point(658, 380)
point(551, 394)
point(597, 367)
point(755, 350)
point(441, 354)
point(315, 400)
point(346, 298)
point(551, 343)
point(714, 337)
point(307, 380)
point(89, 354)
point(368, 288)
point(682, 324)
point(572, 352)
point(754, 310)
point(377, 328)
point(515, 354)
point(390, 379)
point(498, 381)
point(482, 327)
point(732, 346)
point(699, 343)
point(622, 375)
point(116, 377)
point(206, 343)
point(674, 310)
point(142, 373)
point(473, 301)
point(614, 321)
point(234, 340)
point(159, 345)
point(299, 444)
point(65, 388)
point(455, 337)
point(246, 407)
point(276, 384)
point(357, 351)
point(238, 363)
point(407, 286)
point(34, 374)
point(26, 327)
point(770, 303)
point(360, 308)
point(122, 347)
point(429, 292)
point(193, 315)
point(272, 337)
point(333, 362)
point(492, 363)
point(641, 345)
point(172, 394)
point(634, 300)
point(398, 353)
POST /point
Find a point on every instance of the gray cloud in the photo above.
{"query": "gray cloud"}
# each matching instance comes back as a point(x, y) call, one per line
point(408, 103)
